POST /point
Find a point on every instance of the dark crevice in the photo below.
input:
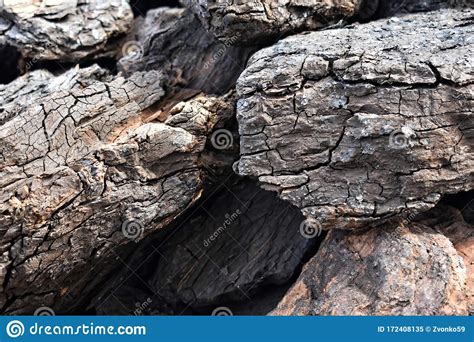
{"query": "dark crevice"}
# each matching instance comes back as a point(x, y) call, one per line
point(56, 67)
point(239, 246)
point(463, 201)
point(140, 7)
point(267, 296)
point(9, 66)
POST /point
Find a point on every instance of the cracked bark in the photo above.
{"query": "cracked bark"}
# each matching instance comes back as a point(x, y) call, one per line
point(381, 114)
point(257, 22)
point(172, 40)
point(454, 224)
point(354, 127)
point(261, 22)
point(408, 269)
point(64, 30)
point(81, 161)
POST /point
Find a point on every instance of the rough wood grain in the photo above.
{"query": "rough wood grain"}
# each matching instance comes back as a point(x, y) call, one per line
point(239, 240)
point(260, 21)
point(85, 168)
point(449, 221)
point(64, 30)
point(173, 40)
point(114, 188)
point(362, 124)
point(404, 270)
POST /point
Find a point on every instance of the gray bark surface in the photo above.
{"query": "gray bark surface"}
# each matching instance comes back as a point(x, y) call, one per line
point(86, 167)
point(116, 181)
point(257, 22)
point(173, 40)
point(362, 124)
point(64, 30)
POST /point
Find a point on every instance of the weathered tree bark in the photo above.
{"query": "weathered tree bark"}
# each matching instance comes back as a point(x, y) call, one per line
point(239, 240)
point(64, 30)
point(174, 42)
point(258, 22)
point(85, 168)
point(358, 125)
point(450, 221)
point(404, 270)
point(359, 128)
